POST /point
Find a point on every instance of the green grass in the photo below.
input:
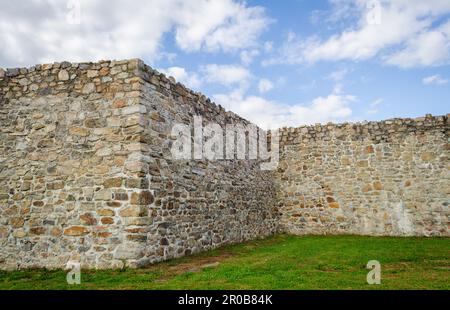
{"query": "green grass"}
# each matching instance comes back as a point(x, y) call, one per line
point(280, 262)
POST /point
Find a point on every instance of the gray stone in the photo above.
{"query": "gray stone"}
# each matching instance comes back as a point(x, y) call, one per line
point(63, 75)
point(88, 88)
point(12, 72)
point(24, 82)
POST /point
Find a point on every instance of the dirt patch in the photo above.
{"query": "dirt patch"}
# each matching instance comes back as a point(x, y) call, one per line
point(196, 264)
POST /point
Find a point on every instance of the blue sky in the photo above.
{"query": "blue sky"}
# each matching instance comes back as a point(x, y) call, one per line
point(277, 63)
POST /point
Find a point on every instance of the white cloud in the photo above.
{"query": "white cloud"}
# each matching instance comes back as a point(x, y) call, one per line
point(38, 31)
point(265, 85)
point(338, 75)
point(219, 25)
point(426, 49)
point(225, 74)
point(268, 46)
point(434, 80)
point(408, 27)
point(180, 74)
point(247, 56)
point(270, 114)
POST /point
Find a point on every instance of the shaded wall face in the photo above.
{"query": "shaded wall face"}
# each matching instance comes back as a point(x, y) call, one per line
point(199, 204)
point(384, 178)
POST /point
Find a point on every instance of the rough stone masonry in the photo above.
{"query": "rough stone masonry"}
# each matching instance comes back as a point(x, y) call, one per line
point(86, 173)
point(376, 178)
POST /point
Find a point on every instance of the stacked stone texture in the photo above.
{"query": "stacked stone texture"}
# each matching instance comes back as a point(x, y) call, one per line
point(86, 173)
point(374, 178)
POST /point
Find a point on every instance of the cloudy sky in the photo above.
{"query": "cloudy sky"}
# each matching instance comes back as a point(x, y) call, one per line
point(277, 63)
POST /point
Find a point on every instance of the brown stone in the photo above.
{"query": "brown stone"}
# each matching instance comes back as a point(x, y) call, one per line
point(17, 196)
point(92, 73)
point(120, 196)
point(367, 188)
point(119, 103)
point(38, 230)
point(133, 211)
point(76, 231)
point(333, 205)
point(137, 183)
point(136, 230)
point(427, 156)
point(137, 237)
point(363, 164)
point(114, 204)
point(369, 149)
point(105, 212)
point(101, 169)
point(104, 71)
point(377, 186)
point(88, 219)
point(95, 123)
point(55, 185)
point(345, 161)
point(79, 131)
point(38, 203)
point(142, 198)
point(107, 220)
point(55, 232)
point(3, 232)
point(113, 182)
point(16, 222)
point(104, 234)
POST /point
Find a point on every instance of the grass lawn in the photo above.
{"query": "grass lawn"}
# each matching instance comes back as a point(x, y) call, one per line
point(280, 262)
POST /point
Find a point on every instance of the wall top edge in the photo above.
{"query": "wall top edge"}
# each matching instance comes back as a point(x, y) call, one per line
point(146, 72)
point(135, 66)
point(428, 119)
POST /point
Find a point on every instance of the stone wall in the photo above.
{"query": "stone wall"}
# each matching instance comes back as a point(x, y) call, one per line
point(85, 173)
point(199, 204)
point(375, 178)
